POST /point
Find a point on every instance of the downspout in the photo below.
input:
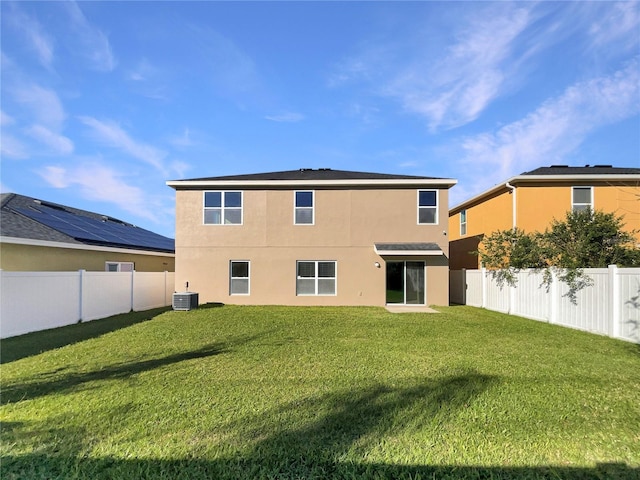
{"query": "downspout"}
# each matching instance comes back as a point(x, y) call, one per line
point(513, 203)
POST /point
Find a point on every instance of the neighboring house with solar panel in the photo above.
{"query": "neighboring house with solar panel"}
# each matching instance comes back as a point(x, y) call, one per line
point(36, 235)
point(314, 237)
point(531, 200)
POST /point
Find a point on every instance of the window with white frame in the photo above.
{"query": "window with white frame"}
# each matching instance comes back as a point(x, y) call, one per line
point(428, 207)
point(581, 198)
point(303, 210)
point(118, 267)
point(239, 277)
point(316, 277)
point(463, 222)
point(223, 208)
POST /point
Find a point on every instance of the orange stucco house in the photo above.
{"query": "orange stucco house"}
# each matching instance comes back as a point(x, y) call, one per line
point(313, 237)
point(531, 200)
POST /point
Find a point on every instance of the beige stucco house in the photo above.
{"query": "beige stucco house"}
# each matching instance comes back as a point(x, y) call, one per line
point(313, 237)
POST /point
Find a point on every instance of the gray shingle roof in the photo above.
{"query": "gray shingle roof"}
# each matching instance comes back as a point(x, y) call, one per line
point(313, 174)
point(30, 218)
point(586, 170)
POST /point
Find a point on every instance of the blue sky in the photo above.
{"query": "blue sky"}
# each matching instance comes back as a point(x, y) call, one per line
point(103, 102)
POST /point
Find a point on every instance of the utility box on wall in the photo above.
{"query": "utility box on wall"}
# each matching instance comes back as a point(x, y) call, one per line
point(185, 301)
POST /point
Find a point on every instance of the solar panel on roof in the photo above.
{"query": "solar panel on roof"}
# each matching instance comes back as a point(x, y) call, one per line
point(92, 230)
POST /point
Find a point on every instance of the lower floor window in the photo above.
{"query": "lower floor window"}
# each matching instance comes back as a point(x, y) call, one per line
point(118, 267)
point(316, 278)
point(239, 277)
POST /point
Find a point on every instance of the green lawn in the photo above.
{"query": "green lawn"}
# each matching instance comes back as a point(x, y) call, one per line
point(285, 392)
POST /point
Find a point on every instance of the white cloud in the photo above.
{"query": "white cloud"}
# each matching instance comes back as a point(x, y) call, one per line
point(98, 182)
point(454, 89)
point(555, 129)
point(182, 141)
point(620, 23)
point(58, 143)
point(33, 33)
point(92, 43)
point(290, 117)
point(11, 147)
point(44, 103)
point(6, 119)
point(113, 135)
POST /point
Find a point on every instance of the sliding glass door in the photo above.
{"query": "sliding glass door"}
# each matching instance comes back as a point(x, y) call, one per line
point(405, 283)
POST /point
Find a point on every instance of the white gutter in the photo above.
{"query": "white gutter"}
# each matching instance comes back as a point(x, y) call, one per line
point(513, 204)
point(79, 246)
point(448, 182)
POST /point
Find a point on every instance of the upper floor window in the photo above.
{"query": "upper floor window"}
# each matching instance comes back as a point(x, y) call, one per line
point(316, 278)
point(581, 198)
point(223, 208)
point(463, 222)
point(428, 207)
point(303, 214)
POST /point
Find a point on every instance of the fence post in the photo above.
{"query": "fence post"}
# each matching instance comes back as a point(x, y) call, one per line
point(512, 297)
point(82, 291)
point(483, 284)
point(614, 283)
point(133, 273)
point(554, 293)
point(463, 280)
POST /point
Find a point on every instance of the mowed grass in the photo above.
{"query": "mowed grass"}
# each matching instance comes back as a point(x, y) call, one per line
point(293, 392)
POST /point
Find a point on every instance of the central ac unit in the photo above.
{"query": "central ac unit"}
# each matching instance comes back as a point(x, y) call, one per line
point(185, 301)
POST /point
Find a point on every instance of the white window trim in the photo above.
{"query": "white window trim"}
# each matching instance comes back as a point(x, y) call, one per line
point(223, 208)
point(437, 205)
point(590, 205)
point(119, 266)
point(313, 208)
point(463, 224)
point(248, 277)
point(316, 278)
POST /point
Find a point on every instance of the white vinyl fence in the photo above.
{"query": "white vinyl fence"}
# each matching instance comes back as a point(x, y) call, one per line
point(33, 301)
point(610, 306)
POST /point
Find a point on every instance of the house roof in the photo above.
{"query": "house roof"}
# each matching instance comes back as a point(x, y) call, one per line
point(605, 170)
point(557, 174)
point(24, 217)
point(310, 176)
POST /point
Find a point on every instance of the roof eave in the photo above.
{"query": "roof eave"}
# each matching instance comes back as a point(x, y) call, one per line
point(522, 179)
point(426, 182)
point(82, 246)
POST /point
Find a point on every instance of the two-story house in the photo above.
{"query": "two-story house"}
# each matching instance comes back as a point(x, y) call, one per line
point(313, 237)
point(531, 200)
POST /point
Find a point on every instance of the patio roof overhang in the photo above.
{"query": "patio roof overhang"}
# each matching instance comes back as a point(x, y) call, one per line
point(409, 248)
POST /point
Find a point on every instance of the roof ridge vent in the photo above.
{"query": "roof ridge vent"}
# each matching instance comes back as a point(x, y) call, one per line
point(559, 166)
point(603, 166)
point(324, 169)
point(51, 205)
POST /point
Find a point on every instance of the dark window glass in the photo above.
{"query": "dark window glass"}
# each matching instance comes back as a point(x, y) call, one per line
point(304, 199)
point(427, 198)
point(212, 199)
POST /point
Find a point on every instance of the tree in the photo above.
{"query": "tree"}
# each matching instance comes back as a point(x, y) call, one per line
point(584, 239)
point(590, 239)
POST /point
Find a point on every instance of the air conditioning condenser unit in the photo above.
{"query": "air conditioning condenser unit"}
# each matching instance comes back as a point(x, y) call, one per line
point(185, 301)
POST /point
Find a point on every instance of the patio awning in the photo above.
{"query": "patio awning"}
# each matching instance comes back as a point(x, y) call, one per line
point(407, 249)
